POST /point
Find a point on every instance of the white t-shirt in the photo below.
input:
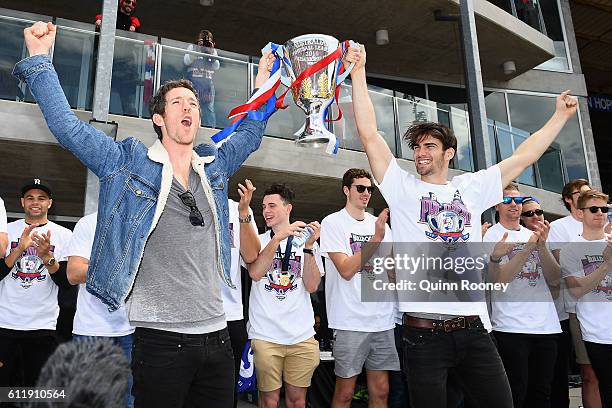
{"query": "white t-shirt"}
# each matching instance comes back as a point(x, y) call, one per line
point(594, 309)
point(2, 217)
point(232, 298)
point(561, 232)
point(345, 311)
point(28, 295)
point(280, 310)
point(92, 317)
point(424, 212)
point(511, 312)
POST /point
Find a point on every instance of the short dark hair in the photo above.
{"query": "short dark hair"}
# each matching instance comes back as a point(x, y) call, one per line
point(158, 101)
point(569, 188)
point(286, 194)
point(352, 174)
point(417, 131)
point(204, 34)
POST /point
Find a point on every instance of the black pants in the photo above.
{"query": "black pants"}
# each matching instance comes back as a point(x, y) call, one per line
point(470, 356)
point(32, 349)
point(601, 360)
point(182, 370)
point(238, 337)
point(529, 360)
point(559, 396)
point(398, 390)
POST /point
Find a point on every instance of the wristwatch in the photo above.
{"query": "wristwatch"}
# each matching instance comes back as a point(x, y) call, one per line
point(493, 260)
point(246, 219)
point(51, 261)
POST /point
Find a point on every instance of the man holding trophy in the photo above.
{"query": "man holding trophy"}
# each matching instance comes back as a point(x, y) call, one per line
point(445, 337)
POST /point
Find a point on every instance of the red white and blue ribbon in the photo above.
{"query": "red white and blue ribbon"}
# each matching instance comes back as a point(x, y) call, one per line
point(266, 94)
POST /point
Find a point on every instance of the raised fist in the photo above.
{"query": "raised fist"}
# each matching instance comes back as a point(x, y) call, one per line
point(39, 38)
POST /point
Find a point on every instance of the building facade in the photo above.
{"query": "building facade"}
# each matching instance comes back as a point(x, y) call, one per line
point(528, 54)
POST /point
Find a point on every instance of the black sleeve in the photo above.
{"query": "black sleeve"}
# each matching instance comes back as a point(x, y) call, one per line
point(60, 278)
point(4, 269)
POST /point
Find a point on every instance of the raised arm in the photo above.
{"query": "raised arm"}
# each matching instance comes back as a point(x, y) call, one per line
point(535, 145)
point(250, 246)
point(250, 132)
point(377, 150)
point(92, 147)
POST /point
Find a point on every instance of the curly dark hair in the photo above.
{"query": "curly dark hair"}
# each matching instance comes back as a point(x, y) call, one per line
point(158, 101)
point(286, 194)
point(352, 174)
point(417, 131)
point(569, 188)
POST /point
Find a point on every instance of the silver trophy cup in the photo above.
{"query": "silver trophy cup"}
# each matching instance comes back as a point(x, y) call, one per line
point(316, 92)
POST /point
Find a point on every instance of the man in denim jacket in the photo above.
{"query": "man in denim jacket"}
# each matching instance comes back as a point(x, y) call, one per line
point(161, 234)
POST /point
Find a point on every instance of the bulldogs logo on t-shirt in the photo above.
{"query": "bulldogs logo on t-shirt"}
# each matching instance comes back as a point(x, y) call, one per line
point(589, 264)
point(282, 282)
point(446, 221)
point(356, 241)
point(532, 271)
point(29, 269)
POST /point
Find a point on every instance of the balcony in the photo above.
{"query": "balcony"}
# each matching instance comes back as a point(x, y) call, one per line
point(142, 63)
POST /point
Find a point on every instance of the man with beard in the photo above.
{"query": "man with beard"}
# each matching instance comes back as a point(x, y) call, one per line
point(125, 20)
point(162, 232)
point(29, 308)
point(444, 336)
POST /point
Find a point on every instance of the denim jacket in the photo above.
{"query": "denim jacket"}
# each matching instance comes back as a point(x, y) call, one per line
point(134, 184)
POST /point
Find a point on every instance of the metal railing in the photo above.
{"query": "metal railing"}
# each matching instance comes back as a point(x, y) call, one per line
point(142, 63)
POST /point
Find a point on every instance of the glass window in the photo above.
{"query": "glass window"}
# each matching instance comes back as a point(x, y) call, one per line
point(529, 113)
point(495, 104)
point(550, 166)
point(413, 110)
point(460, 123)
point(220, 90)
point(74, 58)
point(403, 88)
point(346, 130)
point(60, 168)
point(12, 50)
point(554, 30)
point(448, 95)
point(133, 74)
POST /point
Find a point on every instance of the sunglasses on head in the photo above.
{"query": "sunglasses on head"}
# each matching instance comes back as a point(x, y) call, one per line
point(594, 209)
point(361, 188)
point(531, 213)
point(195, 216)
point(517, 200)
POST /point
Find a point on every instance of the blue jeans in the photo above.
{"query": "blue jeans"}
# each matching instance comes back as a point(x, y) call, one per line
point(125, 342)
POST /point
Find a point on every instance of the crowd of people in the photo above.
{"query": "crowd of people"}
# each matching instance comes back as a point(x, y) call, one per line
point(158, 267)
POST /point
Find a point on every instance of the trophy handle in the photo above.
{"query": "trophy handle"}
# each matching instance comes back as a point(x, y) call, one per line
point(348, 70)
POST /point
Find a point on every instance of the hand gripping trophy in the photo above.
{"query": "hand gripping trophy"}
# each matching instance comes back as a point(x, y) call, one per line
point(312, 62)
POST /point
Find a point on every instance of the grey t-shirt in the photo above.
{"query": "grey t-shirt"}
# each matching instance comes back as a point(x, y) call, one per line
point(177, 286)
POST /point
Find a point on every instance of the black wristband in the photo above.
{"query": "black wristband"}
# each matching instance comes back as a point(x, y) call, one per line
point(308, 251)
